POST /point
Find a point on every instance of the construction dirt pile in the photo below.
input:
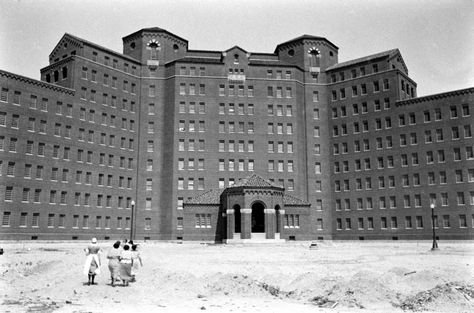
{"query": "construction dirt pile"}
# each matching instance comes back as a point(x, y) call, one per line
point(329, 277)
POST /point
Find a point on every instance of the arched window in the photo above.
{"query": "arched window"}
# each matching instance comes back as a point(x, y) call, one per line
point(153, 46)
point(314, 57)
point(56, 76)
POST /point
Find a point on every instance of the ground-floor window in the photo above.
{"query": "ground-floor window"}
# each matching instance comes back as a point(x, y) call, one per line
point(292, 220)
point(202, 220)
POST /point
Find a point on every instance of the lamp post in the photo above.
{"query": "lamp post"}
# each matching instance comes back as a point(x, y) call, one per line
point(435, 244)
point(131, 219)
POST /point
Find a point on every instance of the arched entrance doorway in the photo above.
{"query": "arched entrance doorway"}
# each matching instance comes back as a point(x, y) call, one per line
point(258, 218)
point(237, 218)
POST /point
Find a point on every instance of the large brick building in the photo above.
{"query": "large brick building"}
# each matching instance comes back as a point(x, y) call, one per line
point(231, 145)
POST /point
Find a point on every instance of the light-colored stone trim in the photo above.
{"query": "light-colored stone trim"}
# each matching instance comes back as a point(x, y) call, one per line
point(269, 211)
point(230, 211)
point(245, 211)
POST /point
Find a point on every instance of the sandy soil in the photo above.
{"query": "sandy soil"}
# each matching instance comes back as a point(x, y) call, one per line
point(334, 277)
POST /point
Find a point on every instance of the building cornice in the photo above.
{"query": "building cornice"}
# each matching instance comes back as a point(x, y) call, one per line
point(56, 64)
point(36, 82)
point(437, 96)
point(83, 42)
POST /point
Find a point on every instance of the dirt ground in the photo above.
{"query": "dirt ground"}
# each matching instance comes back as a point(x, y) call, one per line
point(334, 277)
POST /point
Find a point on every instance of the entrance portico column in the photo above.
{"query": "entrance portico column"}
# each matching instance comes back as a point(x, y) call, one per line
point(246, 228)
point(269, 223)
point(230, 223)
point(281, 220)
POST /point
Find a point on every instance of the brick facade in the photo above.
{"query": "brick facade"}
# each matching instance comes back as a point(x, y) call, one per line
point(160, 124)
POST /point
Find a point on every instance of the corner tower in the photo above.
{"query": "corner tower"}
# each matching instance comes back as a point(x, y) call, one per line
point(311, 53)
point(154, 46)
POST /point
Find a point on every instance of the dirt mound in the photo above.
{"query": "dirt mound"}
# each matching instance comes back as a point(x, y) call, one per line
point(239, 284)
point(442, 298)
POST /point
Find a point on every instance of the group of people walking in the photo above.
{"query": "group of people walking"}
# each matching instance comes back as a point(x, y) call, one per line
point(124, 262)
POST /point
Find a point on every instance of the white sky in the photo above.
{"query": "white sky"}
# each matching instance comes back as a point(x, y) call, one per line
point(436, 38)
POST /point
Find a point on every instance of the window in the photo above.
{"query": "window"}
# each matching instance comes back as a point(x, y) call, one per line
point(6, 219)
point(11, 169)
point(376, 86)
point(460, 198)
point(315, 96)
point(454, 112)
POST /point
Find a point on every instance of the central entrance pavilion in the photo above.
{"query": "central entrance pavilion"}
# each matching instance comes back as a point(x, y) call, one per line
point(253, 210)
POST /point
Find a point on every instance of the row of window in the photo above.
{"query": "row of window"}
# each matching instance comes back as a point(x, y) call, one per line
point(385, 202)
point(279, 110)
point(363, 108)
point(239, 109)
point(407, 89)
point(231, 146)
point(13, 146)
point(33, 125)
point(384, 222)
point(59, 220)
point(67, 109)
point(277, 92)
point(235, 90)
point(290, 221)
point(279, 147)
point(239, 127)
point(354, 73)
point(411, 117)
point(236, 165)
point(190, 165)
point(441, 156)
point(183, 70)
point(289, 184)
point(389, 160)
point(362, 91)
point(279, 166)
point(189, 126)
point(41, 126)
point(125, 104)
point(191, 90)
point(92, 75)
point(193, 108)
point(55, 73)
point(115, 63)
point(429, 135)
point(202, 221)
point(405, 181)
point(38, 173)
point(278, 74)
point(36, 195)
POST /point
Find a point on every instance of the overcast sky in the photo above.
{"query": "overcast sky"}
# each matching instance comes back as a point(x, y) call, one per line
point(436, 38)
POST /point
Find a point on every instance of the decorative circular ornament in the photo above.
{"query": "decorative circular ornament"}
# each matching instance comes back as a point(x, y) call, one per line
point(314, 50)
point(153, 44)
